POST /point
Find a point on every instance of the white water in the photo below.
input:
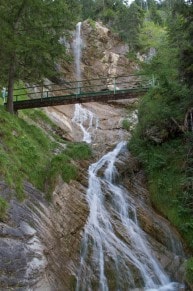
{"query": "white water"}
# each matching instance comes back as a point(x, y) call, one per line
point(77, 48)
point(86, 120)
point(114, 247)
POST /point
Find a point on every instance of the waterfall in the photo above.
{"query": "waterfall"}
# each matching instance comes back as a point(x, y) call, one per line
point(83, 117)
point(115, 252)
point(113, 246)
point(77, 48)
point(86, 120)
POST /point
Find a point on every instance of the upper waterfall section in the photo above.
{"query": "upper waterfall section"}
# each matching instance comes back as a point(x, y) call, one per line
point(102, 53)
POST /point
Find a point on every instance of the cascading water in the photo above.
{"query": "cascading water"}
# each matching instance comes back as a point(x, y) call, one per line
point(83, 117)
point(77, 47)
point(115, 254)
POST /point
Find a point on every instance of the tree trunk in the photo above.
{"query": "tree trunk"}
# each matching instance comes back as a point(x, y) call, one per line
point(11, 86)
point(12, 61)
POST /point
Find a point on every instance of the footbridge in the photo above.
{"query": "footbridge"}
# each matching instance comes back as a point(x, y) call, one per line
point(90, 90)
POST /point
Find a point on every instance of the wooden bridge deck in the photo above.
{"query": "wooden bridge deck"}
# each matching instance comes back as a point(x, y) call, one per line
point(93, 90)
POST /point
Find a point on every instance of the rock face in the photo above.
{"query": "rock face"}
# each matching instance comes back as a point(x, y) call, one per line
point(104, 55)
point(163, 239)
point(40, 241)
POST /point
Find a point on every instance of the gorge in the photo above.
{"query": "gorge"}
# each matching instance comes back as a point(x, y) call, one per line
point(100, 232)
point(113, 242)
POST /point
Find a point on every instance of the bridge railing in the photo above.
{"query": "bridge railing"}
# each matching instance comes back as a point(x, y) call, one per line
point(86, 87)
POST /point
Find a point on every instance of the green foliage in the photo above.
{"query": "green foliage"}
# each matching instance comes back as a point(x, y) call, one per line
point(23, 148)
point(60, 166)
point(28, 154)
point(165, 166)
point(155, 16)
point(30, 31)
point(20, 92)
point(183, 39)
point(38, 116)
point(126, 124)
point(123, 19)
point(107, 15)
point(128, 23)
point(78, 151)
point(160, 141)
point(151, 36)
point(189, 270)
point(92, 23)
point(3, 208)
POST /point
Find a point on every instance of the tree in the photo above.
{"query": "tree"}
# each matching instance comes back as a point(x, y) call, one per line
point(128, 23)
point(181, 31)
point(30, 32)
point(87, 9)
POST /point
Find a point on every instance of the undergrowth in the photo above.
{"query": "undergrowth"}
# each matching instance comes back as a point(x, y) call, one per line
point(189, 271)
point(28, 154)
point(166, 154)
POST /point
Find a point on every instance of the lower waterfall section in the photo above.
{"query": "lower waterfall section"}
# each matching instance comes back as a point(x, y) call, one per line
point(115, 253)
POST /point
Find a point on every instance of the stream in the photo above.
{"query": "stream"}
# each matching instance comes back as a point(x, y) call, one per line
point(114, 248)
point(115, 252)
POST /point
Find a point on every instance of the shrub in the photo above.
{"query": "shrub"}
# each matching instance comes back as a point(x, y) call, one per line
point(78, 151)
point(126, 124)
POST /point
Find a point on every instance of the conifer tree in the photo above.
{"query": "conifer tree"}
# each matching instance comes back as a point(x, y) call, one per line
point(30, 32)
point(181, 31)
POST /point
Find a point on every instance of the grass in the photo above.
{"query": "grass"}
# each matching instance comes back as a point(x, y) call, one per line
point(60, 166)
point(3, 208)
point(126, 124)
point(78, 151)
point(28, 154)
point(25, 152)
